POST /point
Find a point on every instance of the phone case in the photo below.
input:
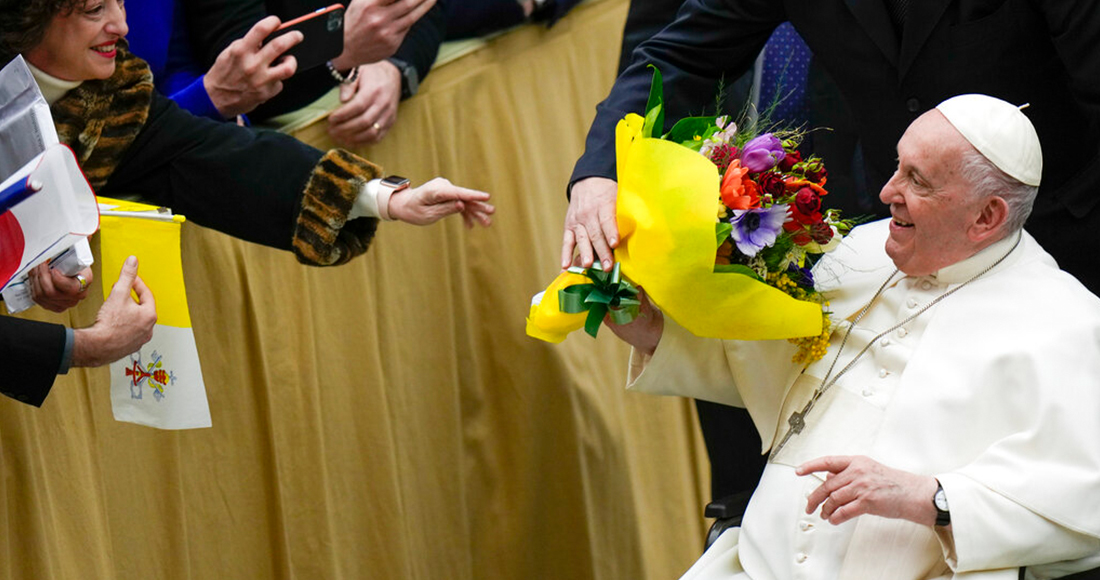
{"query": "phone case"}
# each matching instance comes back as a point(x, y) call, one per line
point(323, 33)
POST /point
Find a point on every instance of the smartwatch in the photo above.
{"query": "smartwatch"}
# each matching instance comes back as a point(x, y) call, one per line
point(388, 186)
point(939, 501)
point(410, 79)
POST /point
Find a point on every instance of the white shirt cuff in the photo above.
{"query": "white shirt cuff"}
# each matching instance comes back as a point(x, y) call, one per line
point(373, 201)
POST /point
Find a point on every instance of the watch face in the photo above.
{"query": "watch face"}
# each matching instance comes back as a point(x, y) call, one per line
point(940, 499)
point(395, 181)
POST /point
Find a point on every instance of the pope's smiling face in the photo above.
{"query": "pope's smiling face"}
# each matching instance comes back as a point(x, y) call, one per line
point(79, 45)
point(931, 203)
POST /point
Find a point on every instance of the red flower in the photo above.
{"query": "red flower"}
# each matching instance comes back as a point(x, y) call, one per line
point(772, 182)
point(807, 201)
point(789, 161)
point(821, 233)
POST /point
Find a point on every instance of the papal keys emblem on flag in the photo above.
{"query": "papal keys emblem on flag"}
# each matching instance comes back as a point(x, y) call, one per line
point(156, 377)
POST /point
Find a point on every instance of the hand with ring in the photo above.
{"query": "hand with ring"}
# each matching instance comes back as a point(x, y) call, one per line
point(57, 292)
point(369, 106)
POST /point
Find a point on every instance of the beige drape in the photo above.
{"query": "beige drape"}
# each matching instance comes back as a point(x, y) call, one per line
point(387, 419)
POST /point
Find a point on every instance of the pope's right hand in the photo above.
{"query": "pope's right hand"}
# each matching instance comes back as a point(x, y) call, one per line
point(590, 225)
point(644, 332)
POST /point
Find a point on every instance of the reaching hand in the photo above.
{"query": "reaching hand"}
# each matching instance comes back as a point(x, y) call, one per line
point(369, 106)
point(245, 74)
point(860, 485)
point(590, 223)
point(438, 199)
point(121, 326)
point(374, 29)
point(55, 291)
point(644, 333)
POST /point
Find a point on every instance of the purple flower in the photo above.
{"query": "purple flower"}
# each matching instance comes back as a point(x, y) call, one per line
point(762, 153)
point(756, 229)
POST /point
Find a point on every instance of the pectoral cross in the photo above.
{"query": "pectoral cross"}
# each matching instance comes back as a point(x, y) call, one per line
point(797, 422)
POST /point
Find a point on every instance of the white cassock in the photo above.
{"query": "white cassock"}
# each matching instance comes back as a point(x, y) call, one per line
point(995, 391)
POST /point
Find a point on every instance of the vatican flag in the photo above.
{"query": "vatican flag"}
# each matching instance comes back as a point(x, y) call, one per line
point(160, 385)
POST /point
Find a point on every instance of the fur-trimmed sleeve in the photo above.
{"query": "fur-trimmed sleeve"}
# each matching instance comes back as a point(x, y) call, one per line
point(322, 234)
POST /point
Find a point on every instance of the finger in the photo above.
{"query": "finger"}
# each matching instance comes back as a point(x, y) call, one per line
point(568, 243)
point(46, 286)
point(837, 499)
point(415, 14)
point(278, 46)
point(347, 91)
point(144, 294)
point(282, 71)
point(261, 30)
point(830, 463)
point(355, 115)
point(125, 281)
point(462, 193)
point(66, 285)
point(609, 227)
point(595, 235)
point(848, 511)
point(584, 245)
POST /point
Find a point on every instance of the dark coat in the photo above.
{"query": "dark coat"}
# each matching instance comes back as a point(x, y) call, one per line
point(264, 187)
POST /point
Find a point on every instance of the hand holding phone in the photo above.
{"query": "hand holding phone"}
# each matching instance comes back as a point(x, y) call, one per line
point(249, 72)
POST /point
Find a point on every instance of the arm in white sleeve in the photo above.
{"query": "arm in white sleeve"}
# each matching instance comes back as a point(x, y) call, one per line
point(990, 531)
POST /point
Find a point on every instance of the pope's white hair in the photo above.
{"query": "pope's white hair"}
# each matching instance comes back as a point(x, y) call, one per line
point(986, 180)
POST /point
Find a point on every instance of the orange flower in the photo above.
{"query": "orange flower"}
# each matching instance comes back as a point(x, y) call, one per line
point(795, 184)
point(738, 192)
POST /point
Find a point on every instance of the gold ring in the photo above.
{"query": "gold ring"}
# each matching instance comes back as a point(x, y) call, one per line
point(376, 126)
point(83, 282)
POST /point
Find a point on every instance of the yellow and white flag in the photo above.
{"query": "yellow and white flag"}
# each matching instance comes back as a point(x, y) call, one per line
point(161, 385)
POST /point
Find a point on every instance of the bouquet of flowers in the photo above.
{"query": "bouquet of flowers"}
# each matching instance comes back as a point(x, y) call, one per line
point(720, 223)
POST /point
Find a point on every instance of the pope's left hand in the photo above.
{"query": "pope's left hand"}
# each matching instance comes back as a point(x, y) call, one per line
point(859, 485)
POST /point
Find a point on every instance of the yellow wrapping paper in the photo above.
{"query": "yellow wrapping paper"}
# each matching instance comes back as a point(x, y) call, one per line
point(666, 212)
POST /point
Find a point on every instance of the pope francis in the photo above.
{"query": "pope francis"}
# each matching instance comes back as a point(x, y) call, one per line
point(952, 430)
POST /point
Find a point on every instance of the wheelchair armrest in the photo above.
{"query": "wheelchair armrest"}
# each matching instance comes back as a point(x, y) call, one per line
point(727, 513)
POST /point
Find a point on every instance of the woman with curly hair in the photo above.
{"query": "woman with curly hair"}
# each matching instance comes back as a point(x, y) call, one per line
point(266, 188)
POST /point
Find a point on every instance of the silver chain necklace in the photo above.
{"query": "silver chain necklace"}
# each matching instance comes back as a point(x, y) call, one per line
point(797, 420)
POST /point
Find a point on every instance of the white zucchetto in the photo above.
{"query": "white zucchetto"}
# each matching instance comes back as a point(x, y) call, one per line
point(1000, 132)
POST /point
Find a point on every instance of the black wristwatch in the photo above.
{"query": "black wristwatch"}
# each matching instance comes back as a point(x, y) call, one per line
point(410, 79)
point(939, 501)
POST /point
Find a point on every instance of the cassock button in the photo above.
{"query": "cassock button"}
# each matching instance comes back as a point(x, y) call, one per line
point(805, 526)
point(885, 342)
point(883, 373)
point(902, 332)
point(926, 285)
point(868, 393)
point(800, 557)
point(911, 303)
point(913, 105)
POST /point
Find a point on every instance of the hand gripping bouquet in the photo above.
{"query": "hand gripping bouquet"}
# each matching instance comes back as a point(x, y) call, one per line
point(720, 226)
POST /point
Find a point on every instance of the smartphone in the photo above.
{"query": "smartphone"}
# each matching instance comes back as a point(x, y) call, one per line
point(323, 36)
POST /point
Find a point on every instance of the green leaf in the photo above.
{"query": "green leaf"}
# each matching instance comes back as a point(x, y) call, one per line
point(688, 128)
point(775, 254)
point(656, 102)
point(722, 231)
point(653, 118)
point(737, 269)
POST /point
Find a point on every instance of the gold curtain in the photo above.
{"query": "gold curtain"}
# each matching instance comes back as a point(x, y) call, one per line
point(386, 419)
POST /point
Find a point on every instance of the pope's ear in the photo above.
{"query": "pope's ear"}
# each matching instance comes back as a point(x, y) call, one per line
point(990, 220)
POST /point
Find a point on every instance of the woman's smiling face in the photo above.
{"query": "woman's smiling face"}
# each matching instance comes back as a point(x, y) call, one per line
point(79, 45)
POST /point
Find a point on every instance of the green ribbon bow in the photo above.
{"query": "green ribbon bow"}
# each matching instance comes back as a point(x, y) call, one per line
point(609, 292)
